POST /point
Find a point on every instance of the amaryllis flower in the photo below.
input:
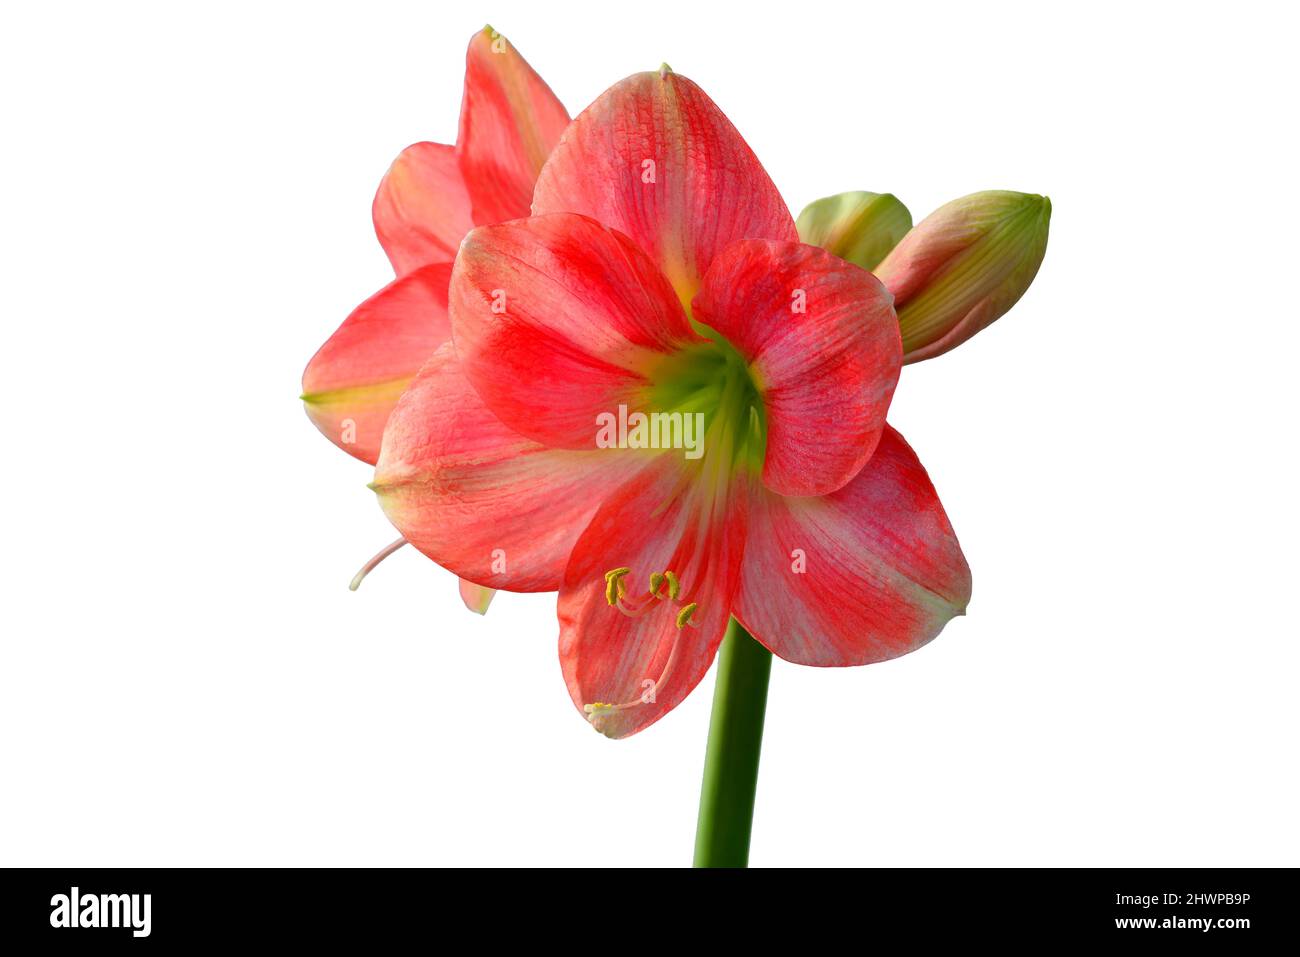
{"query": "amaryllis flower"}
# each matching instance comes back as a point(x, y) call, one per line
point(661, 275)
point(430, 198)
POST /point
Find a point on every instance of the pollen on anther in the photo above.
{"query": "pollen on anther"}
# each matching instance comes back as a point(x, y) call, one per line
point(615, 588)
point(684, 616)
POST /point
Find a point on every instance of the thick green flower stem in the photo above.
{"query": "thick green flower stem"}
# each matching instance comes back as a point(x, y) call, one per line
point(731, 760)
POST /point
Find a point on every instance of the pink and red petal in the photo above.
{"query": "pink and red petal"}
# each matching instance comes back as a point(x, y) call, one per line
point(558, 319)
point(434, 194)
point(625, 672)
point(656, 159)
point(480, 500)
point(867, 573)
point(823, 347)
point(422, 209)
point(509, 123)
point(354, 380)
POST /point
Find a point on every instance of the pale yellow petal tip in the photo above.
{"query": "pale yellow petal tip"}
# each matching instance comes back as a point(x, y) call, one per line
point(494, 38)
point(477, 598)
point(665, 69)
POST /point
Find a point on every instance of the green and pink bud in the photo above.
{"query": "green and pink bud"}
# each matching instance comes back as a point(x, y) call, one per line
point(858, 227)
point(963, 266)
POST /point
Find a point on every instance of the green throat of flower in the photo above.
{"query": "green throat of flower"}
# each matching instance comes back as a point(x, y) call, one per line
point(712, 379)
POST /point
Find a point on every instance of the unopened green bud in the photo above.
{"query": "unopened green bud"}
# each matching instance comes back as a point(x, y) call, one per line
point(963, 266)
point(859, 227)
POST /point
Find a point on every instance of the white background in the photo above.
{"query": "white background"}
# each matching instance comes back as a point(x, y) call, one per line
point(185, 678)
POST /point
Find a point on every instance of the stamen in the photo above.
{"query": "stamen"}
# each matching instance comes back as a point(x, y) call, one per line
point(674, 586)
point(684, 616)
point(369, 566)
point(614, 586)
point(597, 710)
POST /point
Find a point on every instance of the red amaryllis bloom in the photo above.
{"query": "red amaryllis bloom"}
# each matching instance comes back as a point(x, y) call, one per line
point(661, 276)
point(430, 198)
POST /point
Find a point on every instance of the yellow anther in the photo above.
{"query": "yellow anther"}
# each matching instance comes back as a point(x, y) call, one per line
point(674, 586)
point(656, 582)
point(684, 616)
point(597, 707)
point(614, 587)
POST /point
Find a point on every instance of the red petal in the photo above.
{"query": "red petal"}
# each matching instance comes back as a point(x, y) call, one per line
point(644, 666)
point(479, 499)
point(509, 123)
point(558, 319)
point(354, 380)
point(867, 573)
point(422, 210)
point(823, 346)
point(655, 158)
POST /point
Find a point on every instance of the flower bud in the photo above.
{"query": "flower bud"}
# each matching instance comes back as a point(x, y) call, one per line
point(858, 227)
point(963, 266)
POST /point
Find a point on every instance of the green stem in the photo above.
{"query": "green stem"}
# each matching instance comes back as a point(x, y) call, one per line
point(731, 760)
